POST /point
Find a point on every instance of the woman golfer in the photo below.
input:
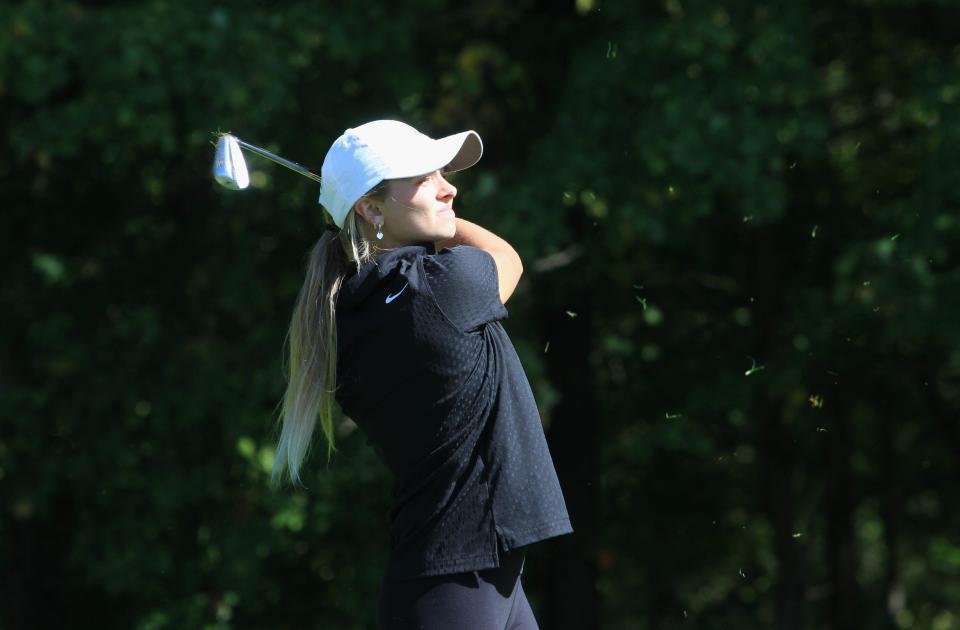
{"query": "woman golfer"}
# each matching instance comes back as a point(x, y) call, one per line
point(400, 316)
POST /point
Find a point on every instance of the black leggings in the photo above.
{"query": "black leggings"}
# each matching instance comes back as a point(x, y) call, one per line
point(491, 599)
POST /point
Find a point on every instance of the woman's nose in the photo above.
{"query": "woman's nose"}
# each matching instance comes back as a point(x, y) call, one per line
point(447, 189)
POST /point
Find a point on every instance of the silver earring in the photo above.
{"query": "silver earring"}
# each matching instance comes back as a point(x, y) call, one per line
point(379, 233)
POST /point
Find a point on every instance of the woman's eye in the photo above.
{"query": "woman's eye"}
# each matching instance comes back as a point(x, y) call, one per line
point(425, 178)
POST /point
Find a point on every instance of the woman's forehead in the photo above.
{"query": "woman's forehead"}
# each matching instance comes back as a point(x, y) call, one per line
point(415, 179)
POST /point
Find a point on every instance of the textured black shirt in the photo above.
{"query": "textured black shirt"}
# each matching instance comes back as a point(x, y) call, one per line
point(428, 373)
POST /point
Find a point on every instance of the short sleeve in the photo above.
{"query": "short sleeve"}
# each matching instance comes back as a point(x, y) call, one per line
point(465, 284)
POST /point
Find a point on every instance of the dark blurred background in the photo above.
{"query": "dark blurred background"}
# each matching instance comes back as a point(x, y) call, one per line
point(740, 312)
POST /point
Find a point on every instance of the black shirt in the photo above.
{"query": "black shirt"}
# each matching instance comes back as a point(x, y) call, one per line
point(428, 373)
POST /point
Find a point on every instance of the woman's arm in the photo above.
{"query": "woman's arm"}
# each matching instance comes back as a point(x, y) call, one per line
point(509, 267)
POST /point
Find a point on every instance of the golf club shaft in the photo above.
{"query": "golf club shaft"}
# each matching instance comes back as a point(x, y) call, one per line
point(279, 160)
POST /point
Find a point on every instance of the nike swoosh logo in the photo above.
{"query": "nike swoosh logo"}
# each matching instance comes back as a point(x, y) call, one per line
point(391, 298)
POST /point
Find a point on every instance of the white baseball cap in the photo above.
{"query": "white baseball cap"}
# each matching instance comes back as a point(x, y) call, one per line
point(364, 156)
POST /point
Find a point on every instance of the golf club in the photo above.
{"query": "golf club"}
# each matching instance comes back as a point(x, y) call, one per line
point(230, 169)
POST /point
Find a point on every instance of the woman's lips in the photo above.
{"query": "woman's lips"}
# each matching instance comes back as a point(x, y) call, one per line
point(448, 209)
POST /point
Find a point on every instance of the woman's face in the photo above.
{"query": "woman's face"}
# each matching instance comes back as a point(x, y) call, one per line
point(415, 209)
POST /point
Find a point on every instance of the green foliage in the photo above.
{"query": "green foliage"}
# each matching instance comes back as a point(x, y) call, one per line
point(759, 200)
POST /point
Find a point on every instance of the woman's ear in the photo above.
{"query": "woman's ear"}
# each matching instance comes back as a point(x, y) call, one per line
point(365, 209)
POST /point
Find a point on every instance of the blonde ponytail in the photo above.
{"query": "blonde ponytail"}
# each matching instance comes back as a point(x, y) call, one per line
point(311, 341)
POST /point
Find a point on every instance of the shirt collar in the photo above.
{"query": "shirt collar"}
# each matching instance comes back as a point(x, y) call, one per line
point(367, 278)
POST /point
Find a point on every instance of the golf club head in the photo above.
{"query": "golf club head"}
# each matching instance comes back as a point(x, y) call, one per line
point(229, 169)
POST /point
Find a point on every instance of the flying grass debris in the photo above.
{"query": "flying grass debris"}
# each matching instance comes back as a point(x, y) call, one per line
point(643, 301)
point(753, 368)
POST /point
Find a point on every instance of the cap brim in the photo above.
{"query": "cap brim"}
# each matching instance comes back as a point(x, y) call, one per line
point(456, 152)
point(466, 149)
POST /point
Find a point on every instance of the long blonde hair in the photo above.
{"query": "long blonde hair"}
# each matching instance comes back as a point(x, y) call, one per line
point(311, 366)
